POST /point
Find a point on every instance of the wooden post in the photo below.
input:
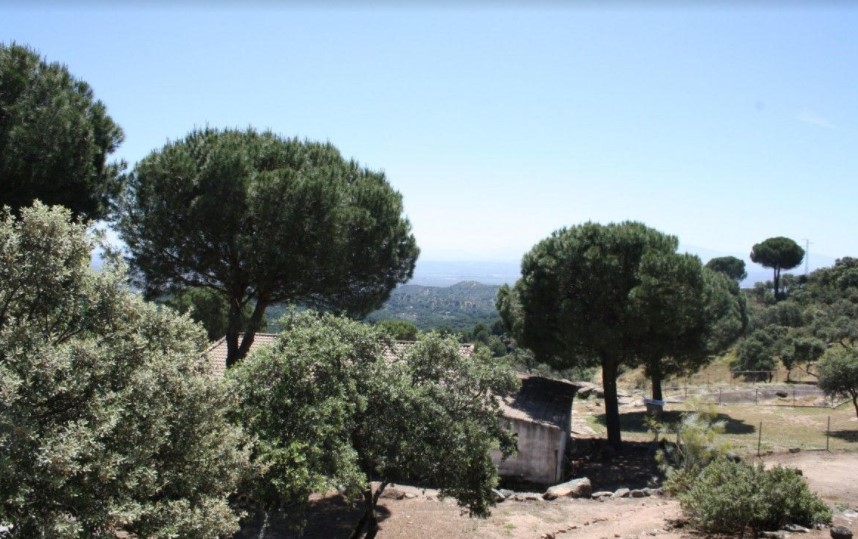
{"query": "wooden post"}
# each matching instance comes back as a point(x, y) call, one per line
point(760, 439)
point(827, 433)
point(756, 399)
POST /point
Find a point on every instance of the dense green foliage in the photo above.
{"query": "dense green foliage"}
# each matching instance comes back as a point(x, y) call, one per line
point(489, 337)
point(456, 307)
point(334, 404)
point(108, 420)
point(815, 314)
point(688, 313)
point(55, 137)
point(210, 309)
point(838, 373)
point(731, 497)
point(779, 254)
point(756, 353)
point(398, 330)
point(615, 295)
point(722, 495)
point(262, 219)
point(732, 267)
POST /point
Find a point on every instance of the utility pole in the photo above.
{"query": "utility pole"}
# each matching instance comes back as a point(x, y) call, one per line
point(806, 255)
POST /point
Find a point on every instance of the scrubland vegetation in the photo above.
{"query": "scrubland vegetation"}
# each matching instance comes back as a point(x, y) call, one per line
point(111, 421)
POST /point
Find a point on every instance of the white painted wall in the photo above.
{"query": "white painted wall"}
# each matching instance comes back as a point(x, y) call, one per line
point(540, 453)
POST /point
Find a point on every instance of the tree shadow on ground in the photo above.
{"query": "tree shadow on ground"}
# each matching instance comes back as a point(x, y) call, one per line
point(637, 422)
point(632, 466)
point(331, 517)
point(850, 436)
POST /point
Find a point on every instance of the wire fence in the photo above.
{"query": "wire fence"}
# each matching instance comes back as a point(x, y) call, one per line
point(795, 395)
point(821, 434)
point(766, 418)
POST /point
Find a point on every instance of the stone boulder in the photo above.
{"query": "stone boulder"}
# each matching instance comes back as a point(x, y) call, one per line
point(576, 488)
point(621, 493)
point(391, 493)
point(586, 389)
point(841, 532)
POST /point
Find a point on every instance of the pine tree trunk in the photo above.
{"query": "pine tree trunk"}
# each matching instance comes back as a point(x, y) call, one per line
point(610, 369)
point(656, 387)
point(236, 351)
point(855, 403)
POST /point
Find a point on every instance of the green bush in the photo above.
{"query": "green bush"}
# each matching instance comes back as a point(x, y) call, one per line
point(698, 443)
point(730, 497)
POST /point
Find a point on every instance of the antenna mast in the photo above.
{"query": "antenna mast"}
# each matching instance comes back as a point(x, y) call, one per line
point(806, 255)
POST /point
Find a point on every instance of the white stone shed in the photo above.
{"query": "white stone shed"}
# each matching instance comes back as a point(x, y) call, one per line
point(541, 416)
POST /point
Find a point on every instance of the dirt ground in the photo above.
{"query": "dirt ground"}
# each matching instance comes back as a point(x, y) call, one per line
point(409, 512)
point(415, 513)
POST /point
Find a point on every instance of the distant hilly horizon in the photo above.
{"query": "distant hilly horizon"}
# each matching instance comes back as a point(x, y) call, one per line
point(444, 273)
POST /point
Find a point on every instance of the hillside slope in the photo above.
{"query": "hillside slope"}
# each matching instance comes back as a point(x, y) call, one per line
point(431, 307)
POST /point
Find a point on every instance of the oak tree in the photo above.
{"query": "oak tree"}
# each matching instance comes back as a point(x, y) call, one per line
point(838, 373)
point(109, 422)
point(334, 403)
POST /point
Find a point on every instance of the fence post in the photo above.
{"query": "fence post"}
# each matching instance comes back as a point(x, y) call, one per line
point(760, 439)
point(756, 400)
point(827, 433)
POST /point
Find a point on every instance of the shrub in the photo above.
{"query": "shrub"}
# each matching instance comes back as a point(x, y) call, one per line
point(697, 444)
point(108, 422)
point(729, 497)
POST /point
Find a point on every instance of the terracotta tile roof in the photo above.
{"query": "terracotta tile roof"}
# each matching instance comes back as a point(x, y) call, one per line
point(541, 400)
point(216, 353)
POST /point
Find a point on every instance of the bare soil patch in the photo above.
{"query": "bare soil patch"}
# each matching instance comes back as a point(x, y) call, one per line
point(411, 512)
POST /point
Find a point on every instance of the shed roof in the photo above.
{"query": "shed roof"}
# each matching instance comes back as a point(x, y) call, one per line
point(541, 400)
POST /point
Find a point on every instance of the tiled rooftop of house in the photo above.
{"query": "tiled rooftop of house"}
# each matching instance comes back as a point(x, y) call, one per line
point(216, 353)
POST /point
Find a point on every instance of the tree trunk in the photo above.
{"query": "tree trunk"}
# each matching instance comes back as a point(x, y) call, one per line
point(610, 369)
point(368, 520)
point(776, 280)
point(855, 403)
point(236, 351)
point(233, 329)
point(656, 387)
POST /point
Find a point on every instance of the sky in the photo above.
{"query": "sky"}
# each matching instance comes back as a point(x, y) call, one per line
point(724, 123)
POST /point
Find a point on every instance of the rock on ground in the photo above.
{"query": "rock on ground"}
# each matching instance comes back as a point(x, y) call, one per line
point(576, 488)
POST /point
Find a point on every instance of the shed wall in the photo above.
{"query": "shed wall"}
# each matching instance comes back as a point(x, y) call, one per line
point(541, 449)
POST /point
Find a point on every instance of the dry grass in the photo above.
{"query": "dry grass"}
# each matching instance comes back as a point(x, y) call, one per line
point(782, 427)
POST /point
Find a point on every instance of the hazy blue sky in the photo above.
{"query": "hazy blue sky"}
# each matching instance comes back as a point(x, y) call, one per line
point(723, 125)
